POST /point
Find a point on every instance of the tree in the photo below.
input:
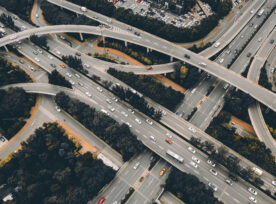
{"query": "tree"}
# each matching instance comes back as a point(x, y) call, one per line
point(57, 79)
point(40, 41)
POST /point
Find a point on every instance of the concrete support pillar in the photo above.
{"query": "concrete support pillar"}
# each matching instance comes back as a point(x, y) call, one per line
point(171, 59)
point(148, 50)
point(103, 40)
point(81, 37)
point(125, 43)
point(6, 48)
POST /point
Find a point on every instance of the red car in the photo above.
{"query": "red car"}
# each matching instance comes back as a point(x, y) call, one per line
point(102, 200)
point(268, 6)
point(168, 141)
point(21, 61)
point(149, 68)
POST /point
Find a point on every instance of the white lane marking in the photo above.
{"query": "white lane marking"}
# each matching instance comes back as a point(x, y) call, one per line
point(196, 171)
point(205, 178)
point(137, 130)
point(187, 165)
point(144, 136)
point(161, 147)
point(237, 201)
point(226, 193)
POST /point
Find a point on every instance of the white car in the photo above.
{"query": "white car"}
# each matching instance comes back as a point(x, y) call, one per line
point(138, 121)
point(68, 74)
point(78, 76)
point(274, 183)
point(58, 52)
point(36, 59)
point(130, 110)
point(88, 94)
point(86, 65)
point(99, 89)
point(192, 129)
point(108, 101)
point(50, 57)
point(104, 111)
point(252, 199)
point(58, 109)
point(149, 122)
point(211, 163)
point(111, 108)
point(81, 84)
point(129, 125)
point(124, 113)
point(195, 159)
point(251, 190)
point(72, 82)
point(36, 15)
point(213, 186)
point(191, 150)
point(115, 99)
point(39, 51)
point(169, 135)
point(193, 164)
point(136, 165)
point(214, 172)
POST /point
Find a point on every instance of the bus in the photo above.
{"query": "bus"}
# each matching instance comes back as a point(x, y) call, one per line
point(175, 156)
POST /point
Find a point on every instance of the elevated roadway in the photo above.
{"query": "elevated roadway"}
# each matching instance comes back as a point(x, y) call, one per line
point(254, 111)
point(259, 93)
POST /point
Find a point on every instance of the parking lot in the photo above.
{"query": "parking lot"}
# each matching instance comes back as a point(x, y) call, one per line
point(161, 12)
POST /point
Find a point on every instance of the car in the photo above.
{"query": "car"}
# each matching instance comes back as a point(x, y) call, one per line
point(62, 65)
point(195, 159)
point(33, 69)
point(58, 52)
point(221, 60)
point(35, 52)
point(192, 129)
point(115, 202)
point(252, 199)
point(242, 36)
point(162, 172)
point(39, 51)
point(226, 86)
point(68, 74)
point(78, 76)
point(191, 150)
point(129, 125)
point(273, 183)
point(72, 82)
point(58, 109)
point(88, 94)
point(102, 200)
point(115, 99)
point(271, 41)
point(229, 182)
point(152, 138)
point(208, 76)
point(214, 172)
point(124, 113)
point(138, 121)
point(149, 68)
point(108, 101)
point(260, 39)
point(248, 54)
point(211, 163)
point(168, 141)
point(78, 54)
point(256, 26)
point(21, 61)
point(169, 135)
point(13, 37)
point(99, 89)
point(187, 56)
point(148, 121)
point(36, 15)
point(37, 59)
point(268, 6)
point(81, 84)
point(193, 164)
point(130, 110)
point(111, 108)
point(53, 65)
point(251, 190)
point(213, 186)
point(86, 65)
point(193, 90)
point(136, 165)
point(104, 111)
point(251, 24)
point(252, 11)
point(164, 112)
point(2, 139)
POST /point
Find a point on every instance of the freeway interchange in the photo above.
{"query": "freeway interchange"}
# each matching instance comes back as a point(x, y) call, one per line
point(238, 193)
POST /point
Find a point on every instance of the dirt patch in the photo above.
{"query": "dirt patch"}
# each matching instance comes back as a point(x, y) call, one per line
point(86, 147)
point(243, 124)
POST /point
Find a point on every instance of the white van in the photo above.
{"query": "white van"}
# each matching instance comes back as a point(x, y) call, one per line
point(221, 60)
point(202, 64)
